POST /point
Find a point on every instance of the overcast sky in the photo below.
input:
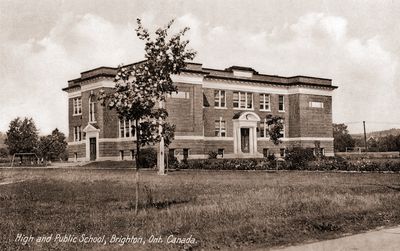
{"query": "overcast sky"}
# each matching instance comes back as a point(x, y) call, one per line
point(43, 44)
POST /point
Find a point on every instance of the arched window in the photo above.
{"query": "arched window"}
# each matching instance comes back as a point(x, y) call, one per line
point(92, 109)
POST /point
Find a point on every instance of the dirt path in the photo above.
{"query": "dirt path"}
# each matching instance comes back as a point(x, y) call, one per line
point(382, 240)
point(10, 182)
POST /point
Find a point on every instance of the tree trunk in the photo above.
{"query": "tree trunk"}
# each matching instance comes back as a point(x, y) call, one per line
point(137, 166)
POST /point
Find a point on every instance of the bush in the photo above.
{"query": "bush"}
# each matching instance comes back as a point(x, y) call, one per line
point(298, 157)
point(148, 158)
point(271, 157)
point(328, 164)
point(212, 155)
point(295, 161)
point(228, 164)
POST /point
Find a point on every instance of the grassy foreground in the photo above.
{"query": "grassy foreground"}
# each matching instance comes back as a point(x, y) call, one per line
point(220, 210)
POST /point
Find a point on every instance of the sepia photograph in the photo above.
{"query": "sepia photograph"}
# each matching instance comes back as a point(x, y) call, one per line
point(200, 125)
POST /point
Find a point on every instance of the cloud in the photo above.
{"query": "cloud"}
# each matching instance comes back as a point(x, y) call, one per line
point(318, 45)
point(314, 44)
point(37, 70)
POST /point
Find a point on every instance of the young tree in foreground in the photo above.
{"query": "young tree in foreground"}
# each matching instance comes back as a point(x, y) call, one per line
point(141, 89)
point(22, 136)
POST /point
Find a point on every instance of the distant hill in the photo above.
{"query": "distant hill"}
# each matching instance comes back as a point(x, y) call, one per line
point(378, 134)
point(2, 139)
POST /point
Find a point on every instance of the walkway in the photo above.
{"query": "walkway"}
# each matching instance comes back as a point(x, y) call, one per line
point(382, 240)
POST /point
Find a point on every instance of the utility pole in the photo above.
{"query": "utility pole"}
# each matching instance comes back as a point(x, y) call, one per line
point(365, 138)
point(160, 157)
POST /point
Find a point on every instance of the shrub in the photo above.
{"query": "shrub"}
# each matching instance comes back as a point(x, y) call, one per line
point(328, 164)
point(212, 155)
point(298, 157)
point(148, 158)
point(227, 164)
point(271, 157)
point(172, 161)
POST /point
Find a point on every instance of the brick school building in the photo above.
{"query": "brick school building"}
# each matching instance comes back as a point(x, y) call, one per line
point(222, 111)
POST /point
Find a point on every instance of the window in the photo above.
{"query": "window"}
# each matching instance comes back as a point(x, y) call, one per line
point(320, 153)
point(264, 102)
point(221, 152)
point(220, 129)
point(235, 99)
point(243, 100)
point(281, 103)
point(314, 104)
point(77, 106)
point(125, 129)
point(121, 154)
point(180, 94)
point(75, 156)
point(205, 101)
point(265, 152)
point(132, 154)
point(219, 98)
point(171, 153)
point(282, 152)
point(185, 153)
point(77, 133)
point(283, 129)
point(92, 109)
point(263, 129)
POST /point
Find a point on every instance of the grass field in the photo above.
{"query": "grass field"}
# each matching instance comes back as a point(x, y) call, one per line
point(220, 210)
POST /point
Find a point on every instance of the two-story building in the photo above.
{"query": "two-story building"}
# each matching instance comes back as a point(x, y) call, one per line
point(214, 110)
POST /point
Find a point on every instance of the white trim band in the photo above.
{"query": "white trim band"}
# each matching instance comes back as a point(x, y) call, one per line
point(265, 89)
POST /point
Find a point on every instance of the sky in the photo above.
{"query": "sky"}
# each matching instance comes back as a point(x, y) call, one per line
point(45, 43)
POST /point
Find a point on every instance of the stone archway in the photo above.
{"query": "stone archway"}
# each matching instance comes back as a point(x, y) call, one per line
point(245, 134)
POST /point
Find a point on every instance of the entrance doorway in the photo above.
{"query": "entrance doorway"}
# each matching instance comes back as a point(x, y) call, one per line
point(245, 140)
point(92, 149)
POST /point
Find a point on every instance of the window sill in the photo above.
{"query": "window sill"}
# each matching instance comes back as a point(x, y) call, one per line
point(282, 111)
point(78, 114)
point(263, 110)
point(244, 109)
point(220, 108)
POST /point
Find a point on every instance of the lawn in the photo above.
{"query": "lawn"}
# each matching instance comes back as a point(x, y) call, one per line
point(219, 210)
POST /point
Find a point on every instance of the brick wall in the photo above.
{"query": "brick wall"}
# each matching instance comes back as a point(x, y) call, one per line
point(186, 113)
point(211, 114)
point(315, 122)
point(79, 149)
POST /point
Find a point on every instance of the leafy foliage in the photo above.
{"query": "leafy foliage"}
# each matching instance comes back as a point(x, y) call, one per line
point(275, 127)
point(22, 136)
point(52, 146)
point(298, 157)
point(3, 153)
point(212, 154)
point(342, 138)
point(148, 158)
point(141, 89)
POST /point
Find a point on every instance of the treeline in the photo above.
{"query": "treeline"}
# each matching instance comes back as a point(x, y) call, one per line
point(23, 137)
point(343, 140)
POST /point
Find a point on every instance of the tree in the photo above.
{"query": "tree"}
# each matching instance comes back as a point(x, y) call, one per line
point(342, 138)
point(274, 129)
point(53, 146)
point(3, 153)
point(22, 136)
point(141, 89)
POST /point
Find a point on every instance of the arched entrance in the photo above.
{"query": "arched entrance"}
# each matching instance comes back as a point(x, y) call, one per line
point(245, 134)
